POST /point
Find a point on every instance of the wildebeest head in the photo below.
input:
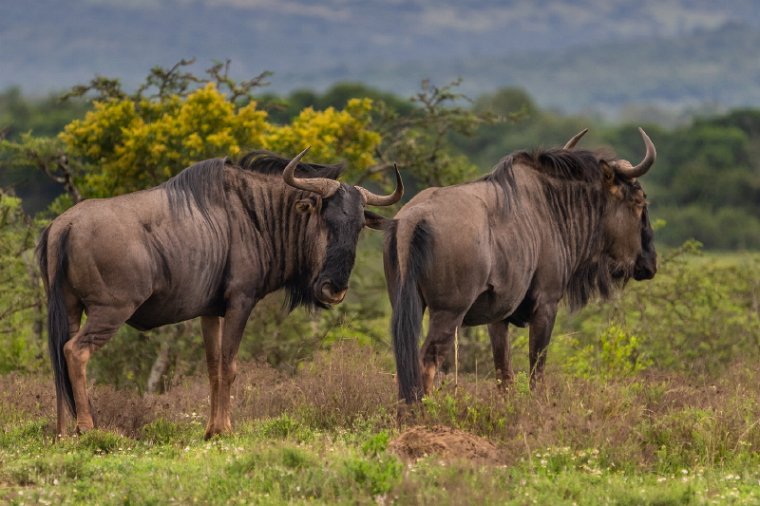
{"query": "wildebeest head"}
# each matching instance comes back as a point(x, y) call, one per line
point(629, 239)
point(341, 214)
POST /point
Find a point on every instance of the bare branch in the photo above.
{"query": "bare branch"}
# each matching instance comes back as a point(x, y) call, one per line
point(62, 174)
point(236, 90)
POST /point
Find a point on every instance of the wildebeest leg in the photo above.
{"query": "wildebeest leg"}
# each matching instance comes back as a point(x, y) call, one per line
point(232, 331)
point(541, 326)
point(502, 352)
point(74, 315)
point(438, 344)
point(102, 323)
point(211, 327)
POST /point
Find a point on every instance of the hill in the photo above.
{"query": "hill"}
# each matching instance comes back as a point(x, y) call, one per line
point(574, 55)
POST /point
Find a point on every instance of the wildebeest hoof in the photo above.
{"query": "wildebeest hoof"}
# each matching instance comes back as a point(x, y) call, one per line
point(213, 431)
point(408, 414)
point(503, 386)
point(83, 428)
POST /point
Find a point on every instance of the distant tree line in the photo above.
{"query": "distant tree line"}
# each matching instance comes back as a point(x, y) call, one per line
point(706, 184)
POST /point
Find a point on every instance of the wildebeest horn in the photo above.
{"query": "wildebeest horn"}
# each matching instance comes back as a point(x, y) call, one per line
point(624, 167)
point(322, 185)
point(574, 140)
point(384, 200)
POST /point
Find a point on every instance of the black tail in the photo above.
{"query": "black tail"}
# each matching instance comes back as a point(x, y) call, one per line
point(58, 322)
point(407, 309)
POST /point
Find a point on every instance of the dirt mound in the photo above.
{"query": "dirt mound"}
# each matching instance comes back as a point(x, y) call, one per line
point(443, 442)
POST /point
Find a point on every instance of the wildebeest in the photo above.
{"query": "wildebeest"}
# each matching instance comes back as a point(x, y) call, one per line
point(209, 242)
point(507, 248)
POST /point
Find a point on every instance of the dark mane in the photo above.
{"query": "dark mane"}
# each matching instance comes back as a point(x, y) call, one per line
point(266, 162)
point(200, 184)
point(502, 174)
point(575, 165)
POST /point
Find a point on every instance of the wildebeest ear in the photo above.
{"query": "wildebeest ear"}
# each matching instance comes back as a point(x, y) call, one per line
point(609, 174)
point(375, 221)
point(610, 181)
point(305, 206)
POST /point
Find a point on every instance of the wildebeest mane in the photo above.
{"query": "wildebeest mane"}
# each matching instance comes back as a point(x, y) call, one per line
point(576, 165)
point(266, 162)
point(200, 184)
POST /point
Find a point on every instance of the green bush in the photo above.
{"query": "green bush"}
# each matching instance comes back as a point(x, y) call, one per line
point(22, 341)
point(615, 353)
point(377, 475)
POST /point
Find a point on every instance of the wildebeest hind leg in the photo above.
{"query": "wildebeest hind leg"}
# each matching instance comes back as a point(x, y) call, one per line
point(211, 327)
point(502, 352)
point(438, 344)
point(74, 316)
point(101, 324)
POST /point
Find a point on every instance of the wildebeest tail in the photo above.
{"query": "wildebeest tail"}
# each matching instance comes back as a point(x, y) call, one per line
point(58, 322)
point(408, 308)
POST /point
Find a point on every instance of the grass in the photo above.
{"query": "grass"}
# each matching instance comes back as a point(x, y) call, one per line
point(325, 436)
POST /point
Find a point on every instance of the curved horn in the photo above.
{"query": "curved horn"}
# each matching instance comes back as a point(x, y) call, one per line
point(321, 185)
point(624, 168)
point(384, 200)
point(574, 140)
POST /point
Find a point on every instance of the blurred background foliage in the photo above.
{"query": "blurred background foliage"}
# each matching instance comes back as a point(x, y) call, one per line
point(700, 312)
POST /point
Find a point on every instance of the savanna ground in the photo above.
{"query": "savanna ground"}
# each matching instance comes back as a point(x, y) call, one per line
point(650, 398)
point(328, 434)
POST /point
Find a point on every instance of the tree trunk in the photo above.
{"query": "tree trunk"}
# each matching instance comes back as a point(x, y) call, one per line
point(160, 366)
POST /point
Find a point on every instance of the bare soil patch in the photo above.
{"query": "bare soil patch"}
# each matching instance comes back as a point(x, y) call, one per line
point(444, 442)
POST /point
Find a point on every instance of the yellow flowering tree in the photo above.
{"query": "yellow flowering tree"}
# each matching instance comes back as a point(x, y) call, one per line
point(130, 143)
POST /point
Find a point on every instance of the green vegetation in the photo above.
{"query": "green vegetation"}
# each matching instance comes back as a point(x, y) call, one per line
point(650, 398)
point(643, 439)
point(706, 184)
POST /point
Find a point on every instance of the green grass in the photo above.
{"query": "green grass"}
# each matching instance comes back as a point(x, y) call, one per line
point(331, 467)
point(650, 438)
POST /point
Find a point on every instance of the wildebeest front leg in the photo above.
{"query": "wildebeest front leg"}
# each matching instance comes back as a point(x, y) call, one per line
point(232, 331)
point(102, 323)
point(437, 345)
point(541, 326)
point(211, 327)
point(502, 351)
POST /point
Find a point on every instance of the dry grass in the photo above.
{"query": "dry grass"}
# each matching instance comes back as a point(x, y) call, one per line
point(645, 421)
point(335, 388)
point(641, 421)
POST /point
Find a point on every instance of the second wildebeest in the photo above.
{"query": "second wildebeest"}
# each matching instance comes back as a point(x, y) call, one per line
point(210, 242)
point(507, 248)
